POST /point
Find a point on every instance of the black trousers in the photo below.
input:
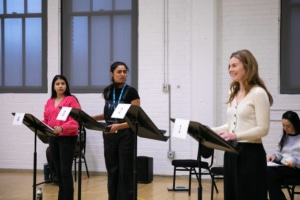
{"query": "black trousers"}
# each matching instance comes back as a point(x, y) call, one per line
point(245, 174)
point(276, 175)
point(118, 151)
point(62, 152)
point(50, 163)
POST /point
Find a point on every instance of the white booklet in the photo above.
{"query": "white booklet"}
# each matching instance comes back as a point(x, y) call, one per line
point(273, 164)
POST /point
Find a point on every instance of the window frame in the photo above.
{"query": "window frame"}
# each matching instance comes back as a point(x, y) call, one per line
point(133, 69)
point(289, 58)
point(43, 88)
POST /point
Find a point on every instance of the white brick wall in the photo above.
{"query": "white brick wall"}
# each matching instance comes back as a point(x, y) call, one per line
point(201, 36)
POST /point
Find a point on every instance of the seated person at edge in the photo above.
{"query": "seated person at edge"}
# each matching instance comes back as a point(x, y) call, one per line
point(287, 154)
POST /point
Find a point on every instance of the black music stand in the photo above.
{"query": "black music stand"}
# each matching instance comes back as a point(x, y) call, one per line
point(87, 121)
point(142, 126)
point(41, 130)
point(44, 139)
point(208, 138)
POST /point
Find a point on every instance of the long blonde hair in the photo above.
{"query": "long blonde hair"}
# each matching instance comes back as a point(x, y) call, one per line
point(251, 79)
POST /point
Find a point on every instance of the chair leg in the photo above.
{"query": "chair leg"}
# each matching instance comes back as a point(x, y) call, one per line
point(212, 189)
point(213, 185)
point(292, 192)
point(213, 181)
point(75, 169)
point(174, 188)
point(190, 180)
point(174, 177)
point(87, 170)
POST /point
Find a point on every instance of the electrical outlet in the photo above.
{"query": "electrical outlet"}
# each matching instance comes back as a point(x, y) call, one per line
point(165, 87)
point(171, 154)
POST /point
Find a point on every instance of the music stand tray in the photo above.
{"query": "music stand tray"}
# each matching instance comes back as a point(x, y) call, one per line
point(146, 128)
point(86, 120)
point(90, 123)
point(142, 126)
point(207, 137)
point(41, 130)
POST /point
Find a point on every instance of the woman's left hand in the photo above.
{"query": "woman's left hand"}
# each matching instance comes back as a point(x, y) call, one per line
point(57, 130)
point(113, 128)
point(290, 163)
point(228, 136)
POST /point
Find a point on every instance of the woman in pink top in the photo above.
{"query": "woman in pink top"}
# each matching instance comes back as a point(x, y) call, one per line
point(62, 147)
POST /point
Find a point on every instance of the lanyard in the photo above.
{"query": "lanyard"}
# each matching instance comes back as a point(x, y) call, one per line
point(120, 97)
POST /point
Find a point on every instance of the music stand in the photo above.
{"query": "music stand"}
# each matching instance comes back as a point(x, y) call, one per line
point(207, 137)
point(44, 139)
point(142, 126)
point(41, 130)
point(87, 121)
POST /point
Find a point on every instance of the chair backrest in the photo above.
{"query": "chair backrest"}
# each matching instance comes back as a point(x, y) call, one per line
point(206, 153)
point(82, 136)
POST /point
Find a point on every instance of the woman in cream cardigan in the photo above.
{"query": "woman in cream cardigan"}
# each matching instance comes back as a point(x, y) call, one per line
point(248, 113)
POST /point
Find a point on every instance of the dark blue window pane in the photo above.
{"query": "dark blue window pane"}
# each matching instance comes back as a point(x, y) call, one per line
point(33, 49)
point(13, 52)
point(102, 5)
point(122, 40)
point(1, 6)
point(15, 6)
point(123, 4)
point(80, 5)
point(79, 53)
point(34, 6)
point(100, 56)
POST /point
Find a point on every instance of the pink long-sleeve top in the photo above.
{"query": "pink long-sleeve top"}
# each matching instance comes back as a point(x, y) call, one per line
point(70, 126)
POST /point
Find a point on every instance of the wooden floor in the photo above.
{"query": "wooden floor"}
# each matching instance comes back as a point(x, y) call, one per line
point(18, 186)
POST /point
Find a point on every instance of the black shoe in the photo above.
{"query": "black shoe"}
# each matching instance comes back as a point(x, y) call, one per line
point(54, 180)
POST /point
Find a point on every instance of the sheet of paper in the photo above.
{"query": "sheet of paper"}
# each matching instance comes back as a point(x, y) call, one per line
point(272, 164)
point(180, 128)
point(48, 126)
point(120, 110)
point(18, 119)
point(64, 113)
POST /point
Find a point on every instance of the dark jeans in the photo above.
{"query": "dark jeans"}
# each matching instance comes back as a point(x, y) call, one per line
point(118, 151)
point(245, 174)
point(62, 152)
point(276, 175)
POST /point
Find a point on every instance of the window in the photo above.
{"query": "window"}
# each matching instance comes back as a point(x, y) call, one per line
point(23, 46)
point(290, 47)
point(96, 33)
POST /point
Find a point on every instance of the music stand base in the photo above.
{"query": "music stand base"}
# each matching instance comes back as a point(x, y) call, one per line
point(199, 193)
point(46, 181)
point(177, 189)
